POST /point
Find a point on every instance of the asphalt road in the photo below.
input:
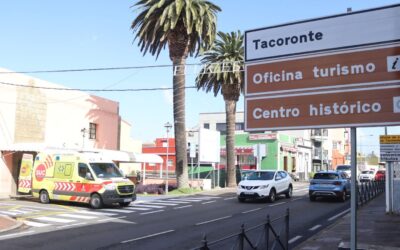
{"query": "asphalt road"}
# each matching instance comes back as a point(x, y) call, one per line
point(174, 223)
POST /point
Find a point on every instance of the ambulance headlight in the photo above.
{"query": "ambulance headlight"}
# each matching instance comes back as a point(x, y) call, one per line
point(111, 186)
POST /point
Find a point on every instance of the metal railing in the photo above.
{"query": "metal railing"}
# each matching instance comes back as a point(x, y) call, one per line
point(268, 236)
point(369, 190)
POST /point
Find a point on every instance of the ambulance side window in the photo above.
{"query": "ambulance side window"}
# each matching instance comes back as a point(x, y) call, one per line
point(82, 170)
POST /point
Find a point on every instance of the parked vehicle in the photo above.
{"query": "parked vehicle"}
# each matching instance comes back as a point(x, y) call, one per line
point(344, 168)
point(367, 175)
point(329, 184)
point(265, 184)
point(380, 175)
point(75, 176)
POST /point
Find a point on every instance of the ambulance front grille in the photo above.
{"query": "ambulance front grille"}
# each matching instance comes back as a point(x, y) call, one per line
point(125, 189)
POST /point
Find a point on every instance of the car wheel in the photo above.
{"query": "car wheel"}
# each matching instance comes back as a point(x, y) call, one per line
point(124, 204)
point(95, 201)
point(272, 195)
point(241, 199)
point(44, 197)
point(289, 193)
point(312, 198)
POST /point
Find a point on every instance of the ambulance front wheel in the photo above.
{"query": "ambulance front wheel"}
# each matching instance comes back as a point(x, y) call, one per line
point(95, 201)
point(44, 197)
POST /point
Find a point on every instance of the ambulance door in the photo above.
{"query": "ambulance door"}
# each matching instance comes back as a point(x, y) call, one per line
point(83, 185)
point(25, 174)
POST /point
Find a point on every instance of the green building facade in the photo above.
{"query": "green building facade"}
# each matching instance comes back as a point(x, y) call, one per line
point(277, 151)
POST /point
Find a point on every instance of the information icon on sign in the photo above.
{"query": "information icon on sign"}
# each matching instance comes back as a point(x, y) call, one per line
point(396, 104)
point(393, 63)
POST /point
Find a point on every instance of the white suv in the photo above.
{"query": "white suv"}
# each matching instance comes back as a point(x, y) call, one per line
point(265, 184)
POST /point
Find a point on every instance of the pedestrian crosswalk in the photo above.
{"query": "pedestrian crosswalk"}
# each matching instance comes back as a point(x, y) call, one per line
point(49, 216)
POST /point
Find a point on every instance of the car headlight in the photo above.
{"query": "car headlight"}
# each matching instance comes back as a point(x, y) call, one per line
point(111, 186)
point(264, 186)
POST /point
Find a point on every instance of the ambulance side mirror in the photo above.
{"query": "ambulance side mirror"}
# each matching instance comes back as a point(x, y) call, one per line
point(89, 176)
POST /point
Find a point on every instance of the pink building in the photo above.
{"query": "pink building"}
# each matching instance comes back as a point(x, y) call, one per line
point(32, 117)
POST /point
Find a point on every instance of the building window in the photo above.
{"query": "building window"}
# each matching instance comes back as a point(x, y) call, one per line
point(206, 125)
point(170, 163)
point(92, 131)
point(221, 127)
point(239, 126)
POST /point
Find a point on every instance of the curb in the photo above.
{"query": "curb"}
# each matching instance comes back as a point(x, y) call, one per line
point(18, 224)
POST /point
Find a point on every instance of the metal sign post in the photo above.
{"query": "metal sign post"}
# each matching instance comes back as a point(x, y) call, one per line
point(353, 201)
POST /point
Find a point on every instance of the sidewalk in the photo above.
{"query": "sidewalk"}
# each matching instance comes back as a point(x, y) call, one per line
point(375, 230)
point(8, 224)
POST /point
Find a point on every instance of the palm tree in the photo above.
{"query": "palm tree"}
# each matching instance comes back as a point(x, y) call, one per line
point(223, 72)
point(188, 27)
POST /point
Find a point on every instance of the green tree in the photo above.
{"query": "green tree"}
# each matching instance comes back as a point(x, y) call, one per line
point(223, 73)
point(187, 27)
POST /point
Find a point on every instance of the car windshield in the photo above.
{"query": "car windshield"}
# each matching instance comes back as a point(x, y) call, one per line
point(326, 176)
point(367, 172)
point(343, 168)
point(262, 176)
point(105, 170)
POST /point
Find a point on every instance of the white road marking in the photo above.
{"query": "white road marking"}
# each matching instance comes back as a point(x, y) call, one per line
point(208, 202)
point(115, 218)
point(187, 199)
point(77, 216)
point(95, 213)
point(15, 234)
point(43, 208)
point(179, 201)
point(299, 190)
point(209, 221)
point(7, 204)
point(167, 201)
point(8, 213)
point(182, 207)
point(277, 204)
point(29, 209)
point(147, 206)
point(117, 210)
point(230, 198)
point(339, 214)
point(73, 225)
point(253, 210)
point(152, 212)
point(210, 197)
point(20, 211)
point(314, 227)
point(138, 208)
point(54, 219)
point(294, 239)
point(147, 236)
point(35, 224)
point(157, 203)
point(297, 199)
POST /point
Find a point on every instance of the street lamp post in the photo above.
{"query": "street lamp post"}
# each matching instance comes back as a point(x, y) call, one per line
point(83, 131)
point(167, 126)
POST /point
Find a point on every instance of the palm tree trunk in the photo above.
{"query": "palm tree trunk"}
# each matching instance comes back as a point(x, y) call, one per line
point(179, 123)
point(230, 109)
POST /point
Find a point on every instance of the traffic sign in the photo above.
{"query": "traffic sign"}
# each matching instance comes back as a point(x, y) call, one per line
point(343, 31)
point(390, 147)
point(325, 73)
point(356, 107)
point(370, 66)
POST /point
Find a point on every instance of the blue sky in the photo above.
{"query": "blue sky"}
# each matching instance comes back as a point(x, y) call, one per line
point(44, 34)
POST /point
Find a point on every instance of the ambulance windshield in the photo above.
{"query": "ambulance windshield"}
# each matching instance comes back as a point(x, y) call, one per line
point(105, 170)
